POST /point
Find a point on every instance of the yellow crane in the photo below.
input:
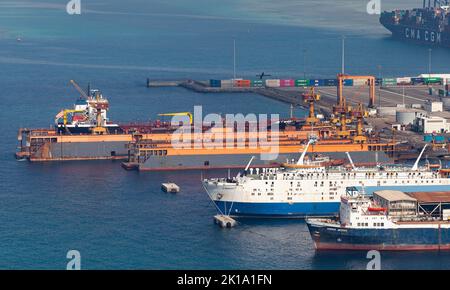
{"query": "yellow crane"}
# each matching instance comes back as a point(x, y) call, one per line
point(360, 114)
point(311, 98)
point(189, 114)
point(68, 111)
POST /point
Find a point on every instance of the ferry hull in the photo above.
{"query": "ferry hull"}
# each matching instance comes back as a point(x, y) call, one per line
point(399, 239)
point(224, 161)
point(278, 209)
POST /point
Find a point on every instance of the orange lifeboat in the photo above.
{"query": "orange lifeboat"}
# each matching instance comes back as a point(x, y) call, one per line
point(377, 209)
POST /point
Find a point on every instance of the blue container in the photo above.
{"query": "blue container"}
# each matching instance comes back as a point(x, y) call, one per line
point(348, 83)
point(439, 138)
point(428, 138)
point(417, 81)
point(317, 83)
point(330, 82)
point(215, 83)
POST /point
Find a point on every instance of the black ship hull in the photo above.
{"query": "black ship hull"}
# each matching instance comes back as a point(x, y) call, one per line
point(417, 34)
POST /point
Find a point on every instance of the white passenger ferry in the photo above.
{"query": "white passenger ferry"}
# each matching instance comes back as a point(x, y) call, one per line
point(309, 189)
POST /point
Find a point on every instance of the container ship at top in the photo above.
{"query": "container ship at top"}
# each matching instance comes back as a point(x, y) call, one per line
point(85, 133)
point(427, 25)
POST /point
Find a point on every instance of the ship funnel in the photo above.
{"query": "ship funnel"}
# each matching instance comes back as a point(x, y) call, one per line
point(416, 164)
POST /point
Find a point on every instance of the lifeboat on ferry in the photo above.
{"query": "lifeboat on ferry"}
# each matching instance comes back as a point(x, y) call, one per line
point(376, 209)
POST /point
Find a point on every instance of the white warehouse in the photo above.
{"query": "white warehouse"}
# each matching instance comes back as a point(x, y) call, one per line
point(432, 124)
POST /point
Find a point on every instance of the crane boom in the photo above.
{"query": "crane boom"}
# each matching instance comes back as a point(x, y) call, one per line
point(189, 114)
point(79, 89)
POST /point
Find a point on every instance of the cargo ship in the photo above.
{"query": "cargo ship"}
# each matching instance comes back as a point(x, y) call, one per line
point(390, 220)
point(344, 132)
point(85, 132)
point(301, 189)
point(427, 25)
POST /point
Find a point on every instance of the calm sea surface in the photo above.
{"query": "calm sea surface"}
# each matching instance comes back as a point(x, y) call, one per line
point(119, 219)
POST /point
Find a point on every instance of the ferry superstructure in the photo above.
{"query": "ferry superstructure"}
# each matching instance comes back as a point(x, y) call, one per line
point(390, 220)
point(312, 190)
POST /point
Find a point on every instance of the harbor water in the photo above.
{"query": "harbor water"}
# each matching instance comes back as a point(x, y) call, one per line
point(122, 220)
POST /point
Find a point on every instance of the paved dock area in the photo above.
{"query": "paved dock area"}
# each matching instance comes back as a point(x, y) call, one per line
point(385, 96)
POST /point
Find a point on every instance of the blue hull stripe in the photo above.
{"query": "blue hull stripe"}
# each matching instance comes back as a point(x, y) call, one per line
point(300, 209)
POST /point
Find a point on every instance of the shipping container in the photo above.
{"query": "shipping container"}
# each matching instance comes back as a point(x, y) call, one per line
point(242, 83)
point(316, 83)
point(215, 83)
point(417, 81)
point(348, 83)
point(389, 82)
point(287, 83)
point(273, 83)
point(433, 80)
point(439, 139)
point(428, 138)
point(404, 81)
point(302, 83)
point(257, 83)
point(226, 83)
point(330, 82)
point(359, 82)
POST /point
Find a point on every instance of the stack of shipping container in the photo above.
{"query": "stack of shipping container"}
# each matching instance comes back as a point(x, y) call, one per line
point(275, 83)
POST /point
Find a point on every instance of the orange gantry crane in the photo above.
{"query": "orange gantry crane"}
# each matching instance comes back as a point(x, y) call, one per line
point(370, 81)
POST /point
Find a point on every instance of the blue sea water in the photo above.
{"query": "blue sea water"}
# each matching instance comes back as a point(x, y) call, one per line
point(121, 220)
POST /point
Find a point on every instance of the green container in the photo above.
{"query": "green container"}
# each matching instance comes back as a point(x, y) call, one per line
point(257, 83)
point(389, 82)
point(302, 82)
point(432, 80)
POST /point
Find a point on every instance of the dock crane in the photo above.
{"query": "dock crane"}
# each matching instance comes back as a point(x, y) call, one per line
point(360, 114)
point(370, 82)
point(98, 103)
point(79, 89)
point(311, 98)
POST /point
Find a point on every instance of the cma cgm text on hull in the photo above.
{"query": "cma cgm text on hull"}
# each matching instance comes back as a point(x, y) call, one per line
point(427, 25)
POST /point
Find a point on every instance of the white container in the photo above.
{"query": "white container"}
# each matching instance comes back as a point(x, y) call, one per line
point(434, 107)
point(226, 83)
point(387, 111)
point(359, 82)
point(273, 83)
point(403, 81)
point(446, 214)
point(446, 103)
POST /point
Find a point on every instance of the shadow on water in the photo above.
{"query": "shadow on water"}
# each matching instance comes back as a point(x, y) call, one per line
point(357, 260)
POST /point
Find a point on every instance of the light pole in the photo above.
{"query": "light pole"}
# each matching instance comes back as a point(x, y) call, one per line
point(380, 75)
point(234, 59)
point(429, 61)
point(343, 55)
point(304, 63)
